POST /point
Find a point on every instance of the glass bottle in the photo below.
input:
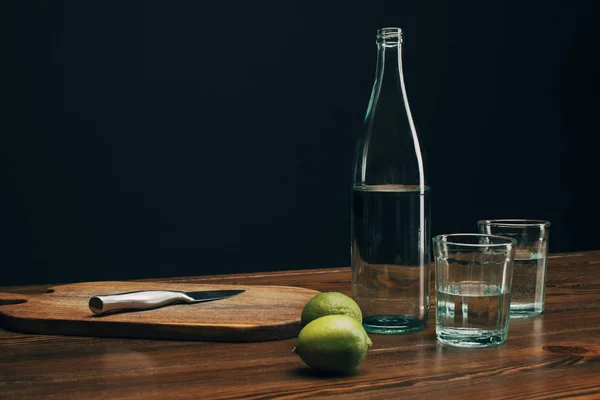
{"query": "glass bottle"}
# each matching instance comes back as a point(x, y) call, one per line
point(390, 205)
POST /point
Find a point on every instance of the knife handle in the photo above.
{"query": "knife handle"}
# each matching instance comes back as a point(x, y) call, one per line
point(143, 300)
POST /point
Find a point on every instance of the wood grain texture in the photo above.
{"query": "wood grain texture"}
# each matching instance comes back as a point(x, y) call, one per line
point(260, 313)
point(556, 355)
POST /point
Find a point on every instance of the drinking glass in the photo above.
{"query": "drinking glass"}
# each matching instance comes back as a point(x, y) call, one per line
point(529, 277)
point(473, 279)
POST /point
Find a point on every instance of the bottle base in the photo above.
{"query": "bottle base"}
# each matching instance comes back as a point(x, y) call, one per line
point(393, 324)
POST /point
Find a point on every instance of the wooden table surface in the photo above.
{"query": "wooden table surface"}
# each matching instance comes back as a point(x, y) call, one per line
point(556, 355)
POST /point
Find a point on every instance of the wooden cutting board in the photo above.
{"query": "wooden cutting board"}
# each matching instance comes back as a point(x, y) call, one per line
point(260, 313)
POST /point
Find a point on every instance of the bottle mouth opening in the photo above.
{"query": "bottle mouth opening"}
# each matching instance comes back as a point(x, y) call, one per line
point(389, 36)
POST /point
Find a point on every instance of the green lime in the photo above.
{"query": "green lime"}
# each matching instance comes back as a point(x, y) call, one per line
point(330, 303)
point(334, 343)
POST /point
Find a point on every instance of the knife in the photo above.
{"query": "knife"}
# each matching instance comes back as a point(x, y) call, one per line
point(149, 299)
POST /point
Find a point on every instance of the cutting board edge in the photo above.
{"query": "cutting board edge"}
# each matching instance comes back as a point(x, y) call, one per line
point(110, 329)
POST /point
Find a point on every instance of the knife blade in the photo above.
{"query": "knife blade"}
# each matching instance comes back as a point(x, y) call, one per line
point(149, 299)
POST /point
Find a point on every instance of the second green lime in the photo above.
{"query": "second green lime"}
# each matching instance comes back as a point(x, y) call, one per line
point(330, 303)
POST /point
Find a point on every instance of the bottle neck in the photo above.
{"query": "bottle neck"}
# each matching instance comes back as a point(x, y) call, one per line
point(396, 145)
point(389, 67)
point(388, 88)
point(389, 58)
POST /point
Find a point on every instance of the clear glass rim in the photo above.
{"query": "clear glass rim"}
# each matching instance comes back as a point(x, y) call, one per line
point(450, 238)
point(515, 223)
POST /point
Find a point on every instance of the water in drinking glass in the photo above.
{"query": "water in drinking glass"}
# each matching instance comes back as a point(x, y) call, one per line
point(472, 314)
point(528, 284)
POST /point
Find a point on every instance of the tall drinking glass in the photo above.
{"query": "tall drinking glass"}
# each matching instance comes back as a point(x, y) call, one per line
point(529, 281)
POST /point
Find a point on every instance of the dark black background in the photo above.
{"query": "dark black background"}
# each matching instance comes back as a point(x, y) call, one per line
point(166, 138)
